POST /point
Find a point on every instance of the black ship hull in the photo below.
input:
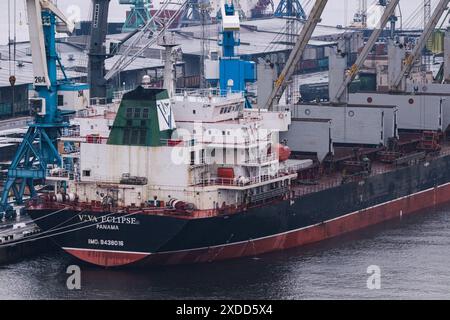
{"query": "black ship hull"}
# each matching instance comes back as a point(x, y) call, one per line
point(107, 239)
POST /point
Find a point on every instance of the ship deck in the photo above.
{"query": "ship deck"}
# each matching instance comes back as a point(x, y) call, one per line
point(318, 178)
point(11, 231)
point(337, 177)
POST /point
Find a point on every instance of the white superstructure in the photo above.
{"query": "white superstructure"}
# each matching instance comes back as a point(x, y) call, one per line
point(221, 155)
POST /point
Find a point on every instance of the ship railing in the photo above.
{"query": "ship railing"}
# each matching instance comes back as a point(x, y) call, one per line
point(218, 141)
point(99, 111)
point(89, 113)
point(118, 95)
point(99, 179)
point(307, 187)
point(71, 133)
point(317, 187)
point(203, 161)
point(444, 152)
point(89, 139)
point(99, 101)
point(95, 140)
point(259, 162)
point(178, 143)
point(329, 183)
point(263, 160)
point(208, 93)
point(75, 153)
point(243, 181)
point(59, 173)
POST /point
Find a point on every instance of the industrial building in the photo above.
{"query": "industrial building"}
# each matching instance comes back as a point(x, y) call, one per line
point(264, 41)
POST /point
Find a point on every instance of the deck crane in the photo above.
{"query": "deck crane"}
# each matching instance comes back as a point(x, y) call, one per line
point(38, 149)
point(296, 54)
point(351, 74)
point(147, 36)
point(415, 54)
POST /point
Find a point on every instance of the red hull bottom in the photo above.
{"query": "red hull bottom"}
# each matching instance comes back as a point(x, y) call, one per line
point(315, 233)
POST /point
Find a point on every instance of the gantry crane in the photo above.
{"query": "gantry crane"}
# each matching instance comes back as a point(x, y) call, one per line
point(296, 54)
point(38, 149)
point(417, 51)
point(290, 8)
point(351, 74)
point(138, 16)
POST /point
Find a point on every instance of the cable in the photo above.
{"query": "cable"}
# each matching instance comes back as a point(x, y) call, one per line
point(9, 35)
point(72, 225)
point(38, 219)
point(15, 36)
point(61, 233)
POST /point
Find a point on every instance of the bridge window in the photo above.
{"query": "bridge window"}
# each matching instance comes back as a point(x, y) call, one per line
point(129, 113)
point(86, 173)
point(142, 137)
point(60, 100)
point(145, 113)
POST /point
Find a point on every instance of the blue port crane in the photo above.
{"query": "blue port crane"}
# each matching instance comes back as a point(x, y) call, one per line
point(232, 73)
point(138, 16)
point(38, 149)
point(290, 8)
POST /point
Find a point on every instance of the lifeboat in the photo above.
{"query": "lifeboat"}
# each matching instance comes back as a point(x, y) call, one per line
point(284, 152)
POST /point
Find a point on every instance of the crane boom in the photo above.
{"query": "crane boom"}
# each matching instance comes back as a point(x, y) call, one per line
point(133, 51)
point(388, 12)
point(296, 54)
point(37, 38)
point(97, 50)
point(431, 25)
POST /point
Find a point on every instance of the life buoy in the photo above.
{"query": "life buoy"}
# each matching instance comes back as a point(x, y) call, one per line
point(281, 116)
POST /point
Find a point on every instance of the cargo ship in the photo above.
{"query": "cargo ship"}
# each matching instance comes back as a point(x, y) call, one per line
point(164, 177)
point(148, 194)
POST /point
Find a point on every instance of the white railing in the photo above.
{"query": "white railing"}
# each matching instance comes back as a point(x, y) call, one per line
point(71, 133)
point(205, 93)
point(178, 143)
point(247, 181)
point(263, 160)
point(59, 173)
